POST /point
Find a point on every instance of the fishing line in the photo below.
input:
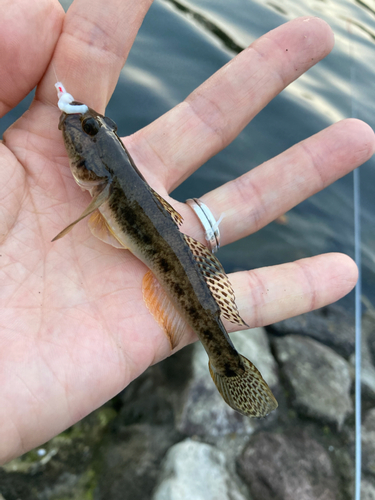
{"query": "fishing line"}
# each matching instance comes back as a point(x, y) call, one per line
point(357, 291)
point(54, 70)
point(358, 333)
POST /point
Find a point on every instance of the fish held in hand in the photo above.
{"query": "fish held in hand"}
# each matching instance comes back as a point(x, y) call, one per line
point(186, 286)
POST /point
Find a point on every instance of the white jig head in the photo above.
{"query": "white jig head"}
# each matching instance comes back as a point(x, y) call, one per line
point(65, 101)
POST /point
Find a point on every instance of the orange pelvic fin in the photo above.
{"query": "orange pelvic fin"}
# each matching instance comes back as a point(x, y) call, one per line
point(163, 310)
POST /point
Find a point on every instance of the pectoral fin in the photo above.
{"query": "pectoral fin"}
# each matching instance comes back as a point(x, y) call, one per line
point(162, 309)
point(98, 200)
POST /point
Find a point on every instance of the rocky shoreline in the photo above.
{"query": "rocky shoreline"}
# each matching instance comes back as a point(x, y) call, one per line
point(169, 435)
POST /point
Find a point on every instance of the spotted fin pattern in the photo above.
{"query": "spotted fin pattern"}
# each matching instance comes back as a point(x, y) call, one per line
point(217, 281)
point(162, 309)
point(177, 218)
point(247, 393)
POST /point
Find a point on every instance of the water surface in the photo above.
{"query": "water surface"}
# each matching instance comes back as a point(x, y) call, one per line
point(180, 44)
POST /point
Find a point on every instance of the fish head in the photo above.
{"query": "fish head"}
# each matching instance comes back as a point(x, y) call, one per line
point(89, 139)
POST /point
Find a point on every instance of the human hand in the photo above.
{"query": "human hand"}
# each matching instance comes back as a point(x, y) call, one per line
point(74, 330)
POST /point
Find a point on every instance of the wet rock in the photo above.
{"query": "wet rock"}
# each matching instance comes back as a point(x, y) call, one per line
point(367, 490)
point(318, 377)
point(203, 412)
point(14, 485)
point(342, 456)
point(280, 467)
point(330, 325)
point(151, 398)
point(368, 443)
point(131, 464)
point(367, 361)
point(67, 486)
point(61, 468)
point(368, 328)
point(367, 374)
point(196, 471)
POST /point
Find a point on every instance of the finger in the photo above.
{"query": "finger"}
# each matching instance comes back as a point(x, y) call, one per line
point(28, 37)
point(271, 294)
point(268, 191)
point(93, 48)
point(179, 142)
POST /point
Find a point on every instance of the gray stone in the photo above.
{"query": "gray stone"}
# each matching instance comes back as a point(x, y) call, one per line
point(368, 328)
point(368, 443)
point(367, 490)
point(61, 468)
point(367, 366)
point(152, 397)
point(278, 467)
point(367, 374)
point(203, 412)
point(330, 325)
point(318, 377)
point(131, 465)
point(196, 471)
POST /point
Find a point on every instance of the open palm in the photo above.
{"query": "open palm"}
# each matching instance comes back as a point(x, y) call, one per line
point(74, 330)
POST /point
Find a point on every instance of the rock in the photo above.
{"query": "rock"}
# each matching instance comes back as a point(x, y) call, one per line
point(318, 377)
point(67, 486)
point(368, 443)
point(203, 412)
point(61, 468)
point(367, 374)
point(130, 466)
point(330, 325)
point(279, 467)
point(14, 485)
point(367, 360)
point(196, 471)
point(367, 490)
point(152, 397)
point(368, 328)
point(342, 456)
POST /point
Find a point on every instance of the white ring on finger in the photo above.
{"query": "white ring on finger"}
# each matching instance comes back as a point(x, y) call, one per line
point(210, 225)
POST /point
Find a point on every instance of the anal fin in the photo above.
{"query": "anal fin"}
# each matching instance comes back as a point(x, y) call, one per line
point(163, 310)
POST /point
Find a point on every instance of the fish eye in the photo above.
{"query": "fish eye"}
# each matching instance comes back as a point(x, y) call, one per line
point(90, 126)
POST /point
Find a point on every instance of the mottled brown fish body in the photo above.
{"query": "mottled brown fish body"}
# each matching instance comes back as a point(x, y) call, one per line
point(159, 244)
point(194, 289)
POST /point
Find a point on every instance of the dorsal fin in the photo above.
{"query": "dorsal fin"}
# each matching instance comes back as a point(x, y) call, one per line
point(177, 218)
point(217, 281)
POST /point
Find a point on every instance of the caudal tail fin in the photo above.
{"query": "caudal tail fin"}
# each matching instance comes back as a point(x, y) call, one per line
point(247, 393)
